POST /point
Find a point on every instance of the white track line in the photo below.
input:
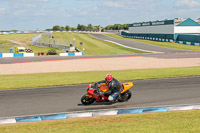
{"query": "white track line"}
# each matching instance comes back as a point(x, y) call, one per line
point(132, 47)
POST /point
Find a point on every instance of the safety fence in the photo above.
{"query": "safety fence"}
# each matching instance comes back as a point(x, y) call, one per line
point(50, 42)
point(49, 34)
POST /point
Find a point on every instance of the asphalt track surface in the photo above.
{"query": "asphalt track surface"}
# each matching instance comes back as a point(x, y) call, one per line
point(146, 93)
point(167, 55)
point(135, 44)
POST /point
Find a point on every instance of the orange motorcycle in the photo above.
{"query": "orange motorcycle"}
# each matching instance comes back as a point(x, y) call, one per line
point(92, 93)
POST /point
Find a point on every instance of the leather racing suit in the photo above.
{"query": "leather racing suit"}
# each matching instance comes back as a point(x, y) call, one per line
point(115, 88)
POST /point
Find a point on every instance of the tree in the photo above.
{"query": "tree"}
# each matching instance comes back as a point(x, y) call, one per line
point(48, 29)
point(79, 27)
point(73, 28)
point(90, 27)
point(62, 28)
point(109, 27)
point(125, 26)
point(67, 27)
point(56, 27)
point(96, 28)
point(117, 26)
point(84, 28)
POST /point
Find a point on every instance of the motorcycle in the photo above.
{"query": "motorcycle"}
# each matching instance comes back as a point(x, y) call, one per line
point(92, 93)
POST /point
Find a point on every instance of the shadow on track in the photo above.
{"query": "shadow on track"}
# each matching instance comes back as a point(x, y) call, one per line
point(100, 103)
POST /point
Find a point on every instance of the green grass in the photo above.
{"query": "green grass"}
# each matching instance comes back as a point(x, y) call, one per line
point(162, 44)
point(70, 78)
point(5, 46)
point(165, 122)
point(23, 38)
point(91, 45)
point(94, 46)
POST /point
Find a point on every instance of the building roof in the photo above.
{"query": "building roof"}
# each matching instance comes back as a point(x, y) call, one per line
point(188, 22)
point(180, 20)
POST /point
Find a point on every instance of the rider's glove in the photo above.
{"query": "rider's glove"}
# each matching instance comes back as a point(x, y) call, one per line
point(100, 93)
point(97, 85)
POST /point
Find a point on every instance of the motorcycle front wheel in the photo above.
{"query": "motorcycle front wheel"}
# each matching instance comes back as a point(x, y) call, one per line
point(87, 100)
point(125, 96)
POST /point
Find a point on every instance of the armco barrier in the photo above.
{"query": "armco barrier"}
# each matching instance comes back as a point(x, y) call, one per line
point(149, 38)
point(163, 40)
point(97, 113)
point(2, 55)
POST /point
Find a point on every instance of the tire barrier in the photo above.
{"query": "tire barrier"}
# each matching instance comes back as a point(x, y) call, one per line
point(52, 52)
point(41, 54)
point(29, 51)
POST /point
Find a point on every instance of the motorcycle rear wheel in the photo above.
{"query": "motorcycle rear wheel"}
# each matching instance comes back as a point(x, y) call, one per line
point(87, 100)
point(125, 96)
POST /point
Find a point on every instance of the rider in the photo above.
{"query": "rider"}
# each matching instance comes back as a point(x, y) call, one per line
point(114, 85)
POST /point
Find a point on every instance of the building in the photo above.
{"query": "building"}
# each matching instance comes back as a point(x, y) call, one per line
point(166, 30)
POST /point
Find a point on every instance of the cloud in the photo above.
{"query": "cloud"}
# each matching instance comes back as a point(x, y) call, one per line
point(187, 3)
point(187, 8)
point(130, 4)
point(115, 4)
point(2, 10)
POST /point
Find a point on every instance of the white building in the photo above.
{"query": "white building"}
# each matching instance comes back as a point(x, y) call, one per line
point(176, 29)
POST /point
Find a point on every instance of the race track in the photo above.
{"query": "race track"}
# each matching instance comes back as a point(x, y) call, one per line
point(135, 44)
point(146, 93)
point(156, 92)
point(168, 55)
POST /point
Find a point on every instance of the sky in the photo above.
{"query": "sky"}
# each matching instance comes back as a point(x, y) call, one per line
point(44, 14)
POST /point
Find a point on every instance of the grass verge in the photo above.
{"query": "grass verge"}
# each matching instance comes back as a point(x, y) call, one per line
point(157, 43)
point(167, 122)
point(23, 38)
point(5, 46)
point(94, 46)
point(70, 78)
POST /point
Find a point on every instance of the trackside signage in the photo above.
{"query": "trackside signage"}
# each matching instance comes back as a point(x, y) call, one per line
point(154, 23)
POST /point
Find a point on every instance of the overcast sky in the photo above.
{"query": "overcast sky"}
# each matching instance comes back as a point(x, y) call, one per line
point(43, 14)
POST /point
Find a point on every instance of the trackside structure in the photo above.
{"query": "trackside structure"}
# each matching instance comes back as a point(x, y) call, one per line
point(185, 30)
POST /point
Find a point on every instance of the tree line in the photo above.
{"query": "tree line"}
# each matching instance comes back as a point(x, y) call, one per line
point(89, 27)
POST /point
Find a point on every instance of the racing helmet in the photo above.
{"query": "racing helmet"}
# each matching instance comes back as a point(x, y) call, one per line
point(108, 78)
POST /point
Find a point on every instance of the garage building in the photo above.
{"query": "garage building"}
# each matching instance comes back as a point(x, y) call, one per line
point(187, 30)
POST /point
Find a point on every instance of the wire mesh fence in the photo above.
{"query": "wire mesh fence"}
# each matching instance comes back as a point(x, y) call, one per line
point(51, 42)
